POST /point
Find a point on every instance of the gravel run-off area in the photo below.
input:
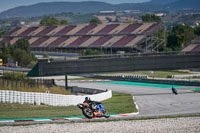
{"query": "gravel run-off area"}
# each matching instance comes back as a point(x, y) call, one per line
point(182, 125)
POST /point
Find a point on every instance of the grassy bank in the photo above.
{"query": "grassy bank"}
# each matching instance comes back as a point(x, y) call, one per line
point(119, 103)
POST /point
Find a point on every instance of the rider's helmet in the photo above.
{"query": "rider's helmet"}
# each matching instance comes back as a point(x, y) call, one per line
point(87, 99)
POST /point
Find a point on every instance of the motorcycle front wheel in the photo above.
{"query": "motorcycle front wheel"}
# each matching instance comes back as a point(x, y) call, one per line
point(88, 113)
point(106, 114)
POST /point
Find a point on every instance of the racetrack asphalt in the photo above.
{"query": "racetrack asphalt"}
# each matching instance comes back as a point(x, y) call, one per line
point(153, 101)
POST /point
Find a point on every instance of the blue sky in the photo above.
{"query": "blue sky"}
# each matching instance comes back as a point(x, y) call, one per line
point(7, 4)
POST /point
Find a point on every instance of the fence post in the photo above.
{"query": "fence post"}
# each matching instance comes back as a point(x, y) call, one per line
point(7, 82)
point(66, 82)
point(3, 82)
point(24, 82)
point(16, 83)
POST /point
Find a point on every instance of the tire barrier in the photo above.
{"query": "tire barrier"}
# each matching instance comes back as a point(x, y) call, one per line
point(7, 96)
point(130, 76)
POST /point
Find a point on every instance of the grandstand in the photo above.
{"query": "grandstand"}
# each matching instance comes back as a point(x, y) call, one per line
point(194, 46)
point(126, 37)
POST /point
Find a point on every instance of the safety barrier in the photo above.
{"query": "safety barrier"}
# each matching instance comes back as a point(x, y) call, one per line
point(7, 96)
point(129, 76)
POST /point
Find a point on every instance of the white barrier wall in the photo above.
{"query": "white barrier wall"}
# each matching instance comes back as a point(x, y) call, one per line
point(49, 99)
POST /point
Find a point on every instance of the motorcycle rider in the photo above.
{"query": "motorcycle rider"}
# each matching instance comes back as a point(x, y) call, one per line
point(93, 104)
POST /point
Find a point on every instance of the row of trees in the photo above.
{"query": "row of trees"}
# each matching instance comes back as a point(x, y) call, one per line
point(20, 52)
point(50, 21)
point(150, 18)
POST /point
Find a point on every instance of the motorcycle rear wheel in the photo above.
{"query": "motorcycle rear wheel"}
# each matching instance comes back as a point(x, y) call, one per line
point(88, 113)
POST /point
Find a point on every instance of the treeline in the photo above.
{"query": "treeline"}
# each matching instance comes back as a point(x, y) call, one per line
point(20, 52)
point(150, 18)
point(176, 38)
point(51, 21)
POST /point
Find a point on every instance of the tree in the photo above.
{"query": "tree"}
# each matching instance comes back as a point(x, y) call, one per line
point(49, 21)
point(19, 52)
point(23, 58)
point(64, 22)
point(22, 44)
point(6, 52)
point(95, 21)
point(150, 18)
point(179, 37)
point(197, 30)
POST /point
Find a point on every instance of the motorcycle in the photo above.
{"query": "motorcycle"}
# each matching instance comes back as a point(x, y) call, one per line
point(174, 91)
point(91, 110)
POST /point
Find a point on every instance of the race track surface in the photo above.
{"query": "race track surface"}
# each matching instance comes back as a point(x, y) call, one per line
point(153, 101)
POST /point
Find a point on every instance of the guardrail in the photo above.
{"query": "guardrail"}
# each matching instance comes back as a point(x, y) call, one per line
point(7, 96)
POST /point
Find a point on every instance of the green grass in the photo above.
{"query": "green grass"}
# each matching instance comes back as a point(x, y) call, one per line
point(156, 74)
point(196, 90)
point(119, 103)
point(40, 89)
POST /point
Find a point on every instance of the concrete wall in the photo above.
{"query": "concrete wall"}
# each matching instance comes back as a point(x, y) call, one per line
point(76, 90)
point(48, 99)
point(120, 64)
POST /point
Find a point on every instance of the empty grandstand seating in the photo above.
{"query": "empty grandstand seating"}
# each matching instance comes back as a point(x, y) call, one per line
point(65, 30)
point(79, 41)
point(196, 49)
point(189, 48)
point(39, 41)
point(5, 40)
point(89, 41)
point(112, 41)
point(28, 31)
point(13, 31)
point(68, 41)
point(107, 29)
point(100, 41)
point(82, 36)
point(86, 29)
point(124, 41)
point(151, 28)
point(47, 30)
point(58, 41)
point(135, 41)
point(130, 28)
point(75, 30)
point(13, 41)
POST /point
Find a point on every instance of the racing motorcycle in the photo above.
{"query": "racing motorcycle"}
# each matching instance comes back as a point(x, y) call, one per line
point(92, 110)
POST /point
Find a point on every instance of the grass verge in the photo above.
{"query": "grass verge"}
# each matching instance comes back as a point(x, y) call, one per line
point(40, 89)
point(196, 90)
point(119, 103)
